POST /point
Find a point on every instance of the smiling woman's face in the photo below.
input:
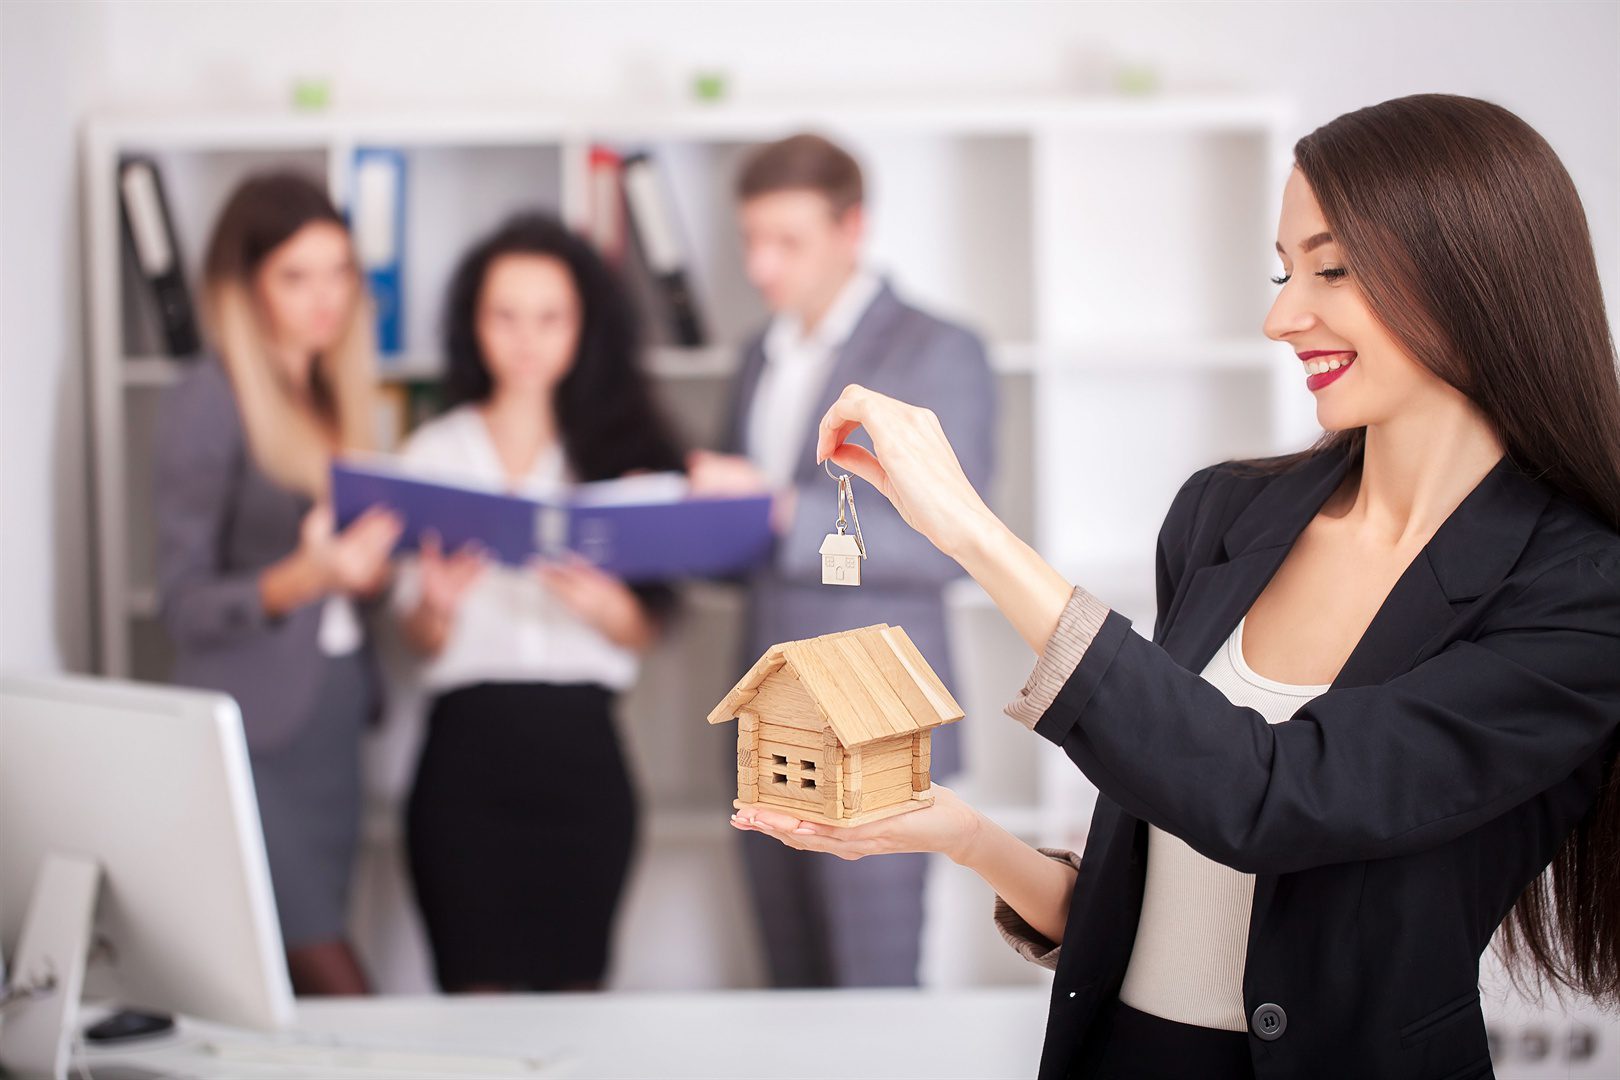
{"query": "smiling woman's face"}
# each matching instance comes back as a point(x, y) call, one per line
point(1357, 372)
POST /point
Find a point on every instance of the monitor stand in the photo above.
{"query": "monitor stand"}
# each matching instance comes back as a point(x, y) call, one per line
point(41, 1000)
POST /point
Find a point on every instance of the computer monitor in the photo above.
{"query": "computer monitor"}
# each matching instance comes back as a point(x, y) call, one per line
point(151, 784)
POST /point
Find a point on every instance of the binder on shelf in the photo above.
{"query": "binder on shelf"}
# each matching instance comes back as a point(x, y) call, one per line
point(653, 221)
point(149, 229)
point(604, 204)
point(641, 528)
point(573, 201)
point(377, 221)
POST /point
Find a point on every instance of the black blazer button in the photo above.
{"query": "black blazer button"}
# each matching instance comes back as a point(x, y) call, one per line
point(1269, 1021)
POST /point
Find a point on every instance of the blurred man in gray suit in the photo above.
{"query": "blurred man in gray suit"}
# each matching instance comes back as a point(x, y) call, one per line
point(825, 921)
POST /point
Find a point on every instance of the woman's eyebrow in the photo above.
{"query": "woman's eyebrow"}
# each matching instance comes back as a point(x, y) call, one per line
point(1310, 243)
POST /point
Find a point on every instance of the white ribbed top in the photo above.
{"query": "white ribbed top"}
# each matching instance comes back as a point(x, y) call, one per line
point(1187, 962)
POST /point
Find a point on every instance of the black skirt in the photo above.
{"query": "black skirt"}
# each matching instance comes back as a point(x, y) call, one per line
point(520, 827)
point(1127, 1044)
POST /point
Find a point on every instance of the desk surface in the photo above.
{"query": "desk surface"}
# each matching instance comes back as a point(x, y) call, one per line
point(779, 1034)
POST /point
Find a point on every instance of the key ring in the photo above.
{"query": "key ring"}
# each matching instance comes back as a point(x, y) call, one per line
point(846, 491)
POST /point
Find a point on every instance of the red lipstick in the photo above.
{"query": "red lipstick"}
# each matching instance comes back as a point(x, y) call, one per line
point(1318, 380)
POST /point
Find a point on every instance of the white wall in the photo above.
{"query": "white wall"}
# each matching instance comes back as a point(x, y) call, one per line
point(48, 79)
point(1556, 64)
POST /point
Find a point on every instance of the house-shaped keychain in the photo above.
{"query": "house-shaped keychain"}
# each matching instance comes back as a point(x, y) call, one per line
point(836, 729)
point(840, 560)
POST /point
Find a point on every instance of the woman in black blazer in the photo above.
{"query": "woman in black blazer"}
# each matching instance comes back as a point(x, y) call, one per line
point(1444, 563)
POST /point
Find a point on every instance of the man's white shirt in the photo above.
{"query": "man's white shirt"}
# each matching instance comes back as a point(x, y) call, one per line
point(796, 367)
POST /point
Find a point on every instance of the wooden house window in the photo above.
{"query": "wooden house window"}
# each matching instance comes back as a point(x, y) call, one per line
point(794, 771)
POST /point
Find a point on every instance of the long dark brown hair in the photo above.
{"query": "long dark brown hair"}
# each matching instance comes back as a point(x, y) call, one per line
point(609, 419)
point(1463, 231)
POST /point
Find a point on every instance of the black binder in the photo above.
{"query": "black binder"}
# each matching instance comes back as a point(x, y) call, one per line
point(657, 235)
point(149, 230)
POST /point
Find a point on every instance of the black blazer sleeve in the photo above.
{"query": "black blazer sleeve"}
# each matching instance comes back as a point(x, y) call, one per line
point(1358, 772)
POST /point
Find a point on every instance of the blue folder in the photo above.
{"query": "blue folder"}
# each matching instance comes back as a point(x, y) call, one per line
point(654, 539)
point(377, 219)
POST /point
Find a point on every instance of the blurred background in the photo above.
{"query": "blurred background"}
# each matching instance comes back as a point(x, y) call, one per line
point(1092, 187)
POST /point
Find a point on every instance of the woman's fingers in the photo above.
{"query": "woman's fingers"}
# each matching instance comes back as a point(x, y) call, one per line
point(574, 576)
point(374, 536)
point(773, 819)
point(580, 586)
point(860, 461)
point(910, 462)
point(431, 549)
point(711, 474)
point(465, 566)
point(846, 843)
point(378, 525)
point(468, 561)
point(565, 585)
point(800, 839)
point(850, 411)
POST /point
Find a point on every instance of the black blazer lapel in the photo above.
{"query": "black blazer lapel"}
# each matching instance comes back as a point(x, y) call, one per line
point(1254, 545)
point(1470, 553)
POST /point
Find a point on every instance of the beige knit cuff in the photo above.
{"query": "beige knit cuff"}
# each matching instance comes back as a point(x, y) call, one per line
point(1024, 939)
point(1082, 617)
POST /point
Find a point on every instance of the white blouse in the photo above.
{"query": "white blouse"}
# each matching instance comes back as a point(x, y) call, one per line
point(508, 627)
point(1191, 940)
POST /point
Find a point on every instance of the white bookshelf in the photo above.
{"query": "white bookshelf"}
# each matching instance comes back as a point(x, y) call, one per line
point(1113, 252)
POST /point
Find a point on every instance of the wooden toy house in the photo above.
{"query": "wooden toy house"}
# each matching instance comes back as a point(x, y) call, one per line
point(836, 729)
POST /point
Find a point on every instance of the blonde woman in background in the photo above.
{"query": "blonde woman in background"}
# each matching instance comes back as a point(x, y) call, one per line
point(257, 588)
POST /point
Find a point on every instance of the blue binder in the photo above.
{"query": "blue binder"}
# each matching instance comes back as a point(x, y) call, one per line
point(377, 221)
point(636, 529)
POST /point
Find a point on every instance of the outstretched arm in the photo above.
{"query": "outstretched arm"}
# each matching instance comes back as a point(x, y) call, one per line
point(1357, 773)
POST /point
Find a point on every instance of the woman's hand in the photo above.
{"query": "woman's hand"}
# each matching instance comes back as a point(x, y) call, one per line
point(1037, 887)
point(711, 474)
point(600, 599)
point(444, 581)
point(914, 466)
point(355, 561)
point(948, 826)
point(446, 578)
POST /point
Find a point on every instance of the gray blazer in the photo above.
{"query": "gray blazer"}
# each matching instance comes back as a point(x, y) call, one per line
point(220, 522)
point(906, 353)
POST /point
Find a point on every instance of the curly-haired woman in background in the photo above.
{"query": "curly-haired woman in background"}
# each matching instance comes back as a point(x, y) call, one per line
point(518, 886)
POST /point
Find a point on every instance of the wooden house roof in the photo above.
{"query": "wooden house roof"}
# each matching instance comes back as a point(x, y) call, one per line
point(869, 684)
